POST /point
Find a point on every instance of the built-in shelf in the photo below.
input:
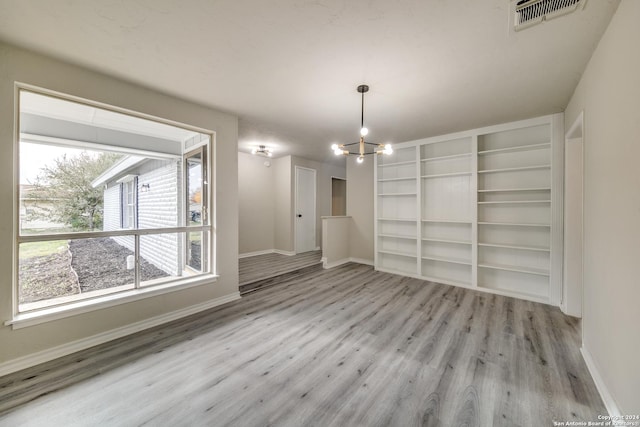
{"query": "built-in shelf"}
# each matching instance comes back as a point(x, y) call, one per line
point(523, 168)
point(515, 149)
point(397, 236)
point(457, 242)
point(520, 247)
point(509, 190)
point(512, 224)
point(517, 269)
point(514, 202)
point(410, 162)
point(449, 260)
point(397, 253)
point(443, 175)
point(451, 156)
point(486, 214)
point(450, 221)
point(413, 178)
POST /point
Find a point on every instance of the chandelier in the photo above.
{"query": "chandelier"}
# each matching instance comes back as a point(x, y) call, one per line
point(363, 147)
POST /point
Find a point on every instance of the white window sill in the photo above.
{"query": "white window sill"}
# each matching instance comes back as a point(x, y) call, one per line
point(23, 320)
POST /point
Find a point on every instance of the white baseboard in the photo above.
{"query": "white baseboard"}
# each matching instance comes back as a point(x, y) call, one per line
point(607, 398)
point(339, 262)
point(256, 253)
point(84, 343)
point(327, 265)
point(287, 253)
point(362, 261)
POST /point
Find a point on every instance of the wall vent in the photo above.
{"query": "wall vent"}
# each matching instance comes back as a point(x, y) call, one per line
point(531, 12)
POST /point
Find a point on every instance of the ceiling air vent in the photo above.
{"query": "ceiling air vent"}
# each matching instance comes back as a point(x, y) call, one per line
point(531, 12)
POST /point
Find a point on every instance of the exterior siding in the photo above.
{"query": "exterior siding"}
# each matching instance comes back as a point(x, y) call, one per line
point(158, 206)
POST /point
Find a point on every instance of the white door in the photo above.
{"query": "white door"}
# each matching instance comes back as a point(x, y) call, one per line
point(305, 209)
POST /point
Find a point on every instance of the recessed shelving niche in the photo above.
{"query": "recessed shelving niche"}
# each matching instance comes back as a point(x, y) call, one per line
point(476, 209)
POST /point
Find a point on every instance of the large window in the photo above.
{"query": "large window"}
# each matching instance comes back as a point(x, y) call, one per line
point(109, 202)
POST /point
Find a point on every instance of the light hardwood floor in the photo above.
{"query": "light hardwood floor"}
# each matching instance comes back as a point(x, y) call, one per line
point(260, 267)
point(342, 347)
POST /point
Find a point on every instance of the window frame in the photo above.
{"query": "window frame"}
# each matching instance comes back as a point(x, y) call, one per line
point(90, 303)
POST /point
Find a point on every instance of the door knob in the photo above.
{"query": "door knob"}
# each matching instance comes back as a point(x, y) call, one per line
point(299, 215)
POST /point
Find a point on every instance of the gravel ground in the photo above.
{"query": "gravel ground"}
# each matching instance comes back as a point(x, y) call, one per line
point(46, 277)
point(101, 263)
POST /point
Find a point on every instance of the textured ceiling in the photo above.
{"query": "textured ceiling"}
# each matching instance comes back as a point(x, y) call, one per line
point(289, 68)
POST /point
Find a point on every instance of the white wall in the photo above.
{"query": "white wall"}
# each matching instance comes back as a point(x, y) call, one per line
point(23, 66)
point(609, 94)
point(283, 220)
point(280, 178)
point(256, 194)
point(360, 208)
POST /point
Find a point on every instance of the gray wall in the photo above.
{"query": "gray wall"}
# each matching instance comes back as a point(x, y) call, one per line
point(360, 208)
point(23, 66)
point(256, 193)
point(609, 95)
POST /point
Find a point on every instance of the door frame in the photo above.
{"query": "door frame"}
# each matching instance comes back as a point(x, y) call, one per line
point(345, 192)
point(315, 207)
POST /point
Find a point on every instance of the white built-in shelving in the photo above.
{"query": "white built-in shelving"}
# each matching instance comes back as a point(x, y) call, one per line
point(477, 209)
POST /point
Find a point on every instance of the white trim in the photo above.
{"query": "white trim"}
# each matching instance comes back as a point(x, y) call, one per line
point(327, 265)
point(605, 394)
point(314, 210)
point(281, 252)
point(361, 261)
point(84, 343)
point(87, 305)
point(256, 253)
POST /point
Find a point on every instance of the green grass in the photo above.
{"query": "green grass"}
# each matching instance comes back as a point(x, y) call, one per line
point(34, 249)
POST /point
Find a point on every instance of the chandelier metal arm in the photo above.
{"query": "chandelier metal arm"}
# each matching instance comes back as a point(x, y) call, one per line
point(361, 151)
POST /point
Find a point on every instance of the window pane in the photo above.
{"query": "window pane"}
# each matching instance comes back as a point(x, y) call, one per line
point(162, 257)
point(194, 250)
point(60, 271)
point(56, 194)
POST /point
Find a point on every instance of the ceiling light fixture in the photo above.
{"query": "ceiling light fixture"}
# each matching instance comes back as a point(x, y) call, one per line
point(263, 150)
point(361, 150)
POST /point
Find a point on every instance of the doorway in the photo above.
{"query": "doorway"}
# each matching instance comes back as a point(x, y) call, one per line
point(573, 219)
point(305, 209)
point(338, 196)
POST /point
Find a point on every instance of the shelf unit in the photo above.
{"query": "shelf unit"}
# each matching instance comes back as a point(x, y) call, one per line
point(396, 201)
point(479, 209)
point(446, 175)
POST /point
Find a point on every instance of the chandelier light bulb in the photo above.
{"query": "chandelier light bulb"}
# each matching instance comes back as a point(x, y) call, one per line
point(334, 147)
point(388, 149)
point(337, 152)
point(364, 131)
point(360, 159)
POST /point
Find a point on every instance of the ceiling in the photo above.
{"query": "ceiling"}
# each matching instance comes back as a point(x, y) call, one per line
point(289, 68)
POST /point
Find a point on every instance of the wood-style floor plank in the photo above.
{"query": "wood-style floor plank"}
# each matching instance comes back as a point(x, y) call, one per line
point(345, 346)
point(260, 267)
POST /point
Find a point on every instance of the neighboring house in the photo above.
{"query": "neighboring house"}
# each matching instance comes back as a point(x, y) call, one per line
point(35, 211)
point(145, 193)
